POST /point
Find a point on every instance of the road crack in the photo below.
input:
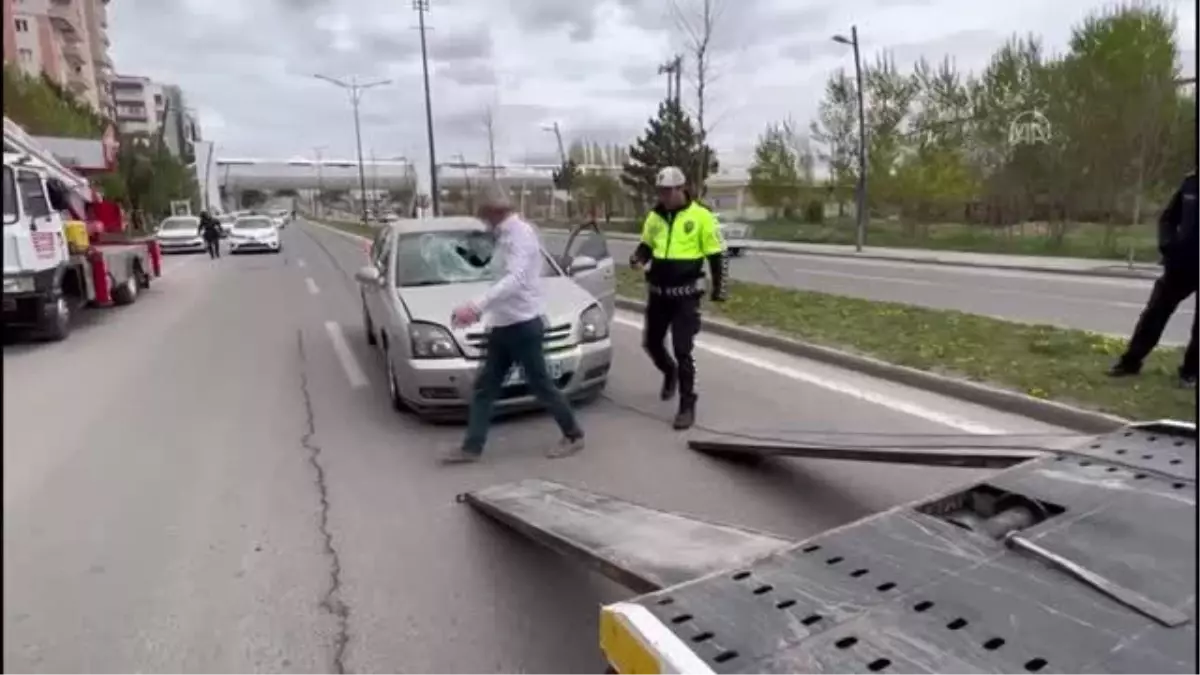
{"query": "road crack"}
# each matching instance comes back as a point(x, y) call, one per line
point(331, 601)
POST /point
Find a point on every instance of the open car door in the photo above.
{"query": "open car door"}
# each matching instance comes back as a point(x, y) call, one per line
point(586, 259)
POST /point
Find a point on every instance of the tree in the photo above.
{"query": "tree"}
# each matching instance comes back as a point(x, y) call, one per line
point(286, 192)
point(600, 190)
point(147, 178)
point(669, 140)
point(778, 173)
point(489, 125)
point(836, 131)
point(43, 108)
point(699, 27)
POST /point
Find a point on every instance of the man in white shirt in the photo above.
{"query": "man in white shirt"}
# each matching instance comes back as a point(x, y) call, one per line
point(512, 308)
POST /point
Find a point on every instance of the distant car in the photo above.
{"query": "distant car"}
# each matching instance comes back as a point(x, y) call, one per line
point(281, 217)
point(180, 234)
point(421, 269)
point(226, 221)
point(735, 235)
point(254, 233)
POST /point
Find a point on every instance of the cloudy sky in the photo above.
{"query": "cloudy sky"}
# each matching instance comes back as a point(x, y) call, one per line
point(246, 66)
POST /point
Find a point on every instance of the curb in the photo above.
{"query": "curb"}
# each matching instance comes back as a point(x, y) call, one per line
point(1104, 272)
point(1049, 412)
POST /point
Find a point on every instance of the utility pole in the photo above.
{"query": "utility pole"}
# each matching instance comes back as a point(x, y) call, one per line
point(318, 150)
point(356, 89)
point(673, 69)
point(860, 234)
point(422, 6)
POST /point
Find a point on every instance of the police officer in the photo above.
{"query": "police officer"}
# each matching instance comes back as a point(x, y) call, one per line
point(210, 230)
point(1180, 249)
point(678, 235)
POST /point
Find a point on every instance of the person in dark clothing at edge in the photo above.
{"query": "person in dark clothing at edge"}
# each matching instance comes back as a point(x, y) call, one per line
point(210, 229)
point(679, 234)
point(1180, 249)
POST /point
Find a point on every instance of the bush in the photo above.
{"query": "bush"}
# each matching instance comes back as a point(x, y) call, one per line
point(814, 212)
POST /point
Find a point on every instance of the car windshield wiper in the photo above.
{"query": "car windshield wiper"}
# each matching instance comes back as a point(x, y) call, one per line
point(427, 282)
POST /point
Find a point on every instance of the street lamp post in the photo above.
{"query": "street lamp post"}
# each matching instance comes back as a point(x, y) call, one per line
point(356, 89)
point(316, 206)
point(860, 234)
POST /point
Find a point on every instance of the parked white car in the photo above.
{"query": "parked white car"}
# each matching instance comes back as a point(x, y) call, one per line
point(254, 233)
point(180, 234)
point(735, 235)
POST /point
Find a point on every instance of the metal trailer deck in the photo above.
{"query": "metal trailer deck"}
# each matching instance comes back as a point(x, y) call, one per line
point(1066, 561)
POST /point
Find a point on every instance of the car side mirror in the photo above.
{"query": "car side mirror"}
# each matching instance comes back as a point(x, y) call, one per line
point(368, 275)
point(581, 264)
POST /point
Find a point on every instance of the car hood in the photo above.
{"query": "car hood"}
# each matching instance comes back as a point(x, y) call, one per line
point(259, 234)
point(563, 298)
point(178, 234)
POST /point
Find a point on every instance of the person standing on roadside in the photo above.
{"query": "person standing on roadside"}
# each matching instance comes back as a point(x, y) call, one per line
point(512, 309)
point(210, 230)
point(1180, 249)
point(678, 235)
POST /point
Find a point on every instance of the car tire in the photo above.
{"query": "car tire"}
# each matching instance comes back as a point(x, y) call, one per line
point(127, 292)
point(398, 403)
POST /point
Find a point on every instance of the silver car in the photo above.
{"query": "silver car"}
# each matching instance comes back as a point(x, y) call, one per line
point(420, 270)
point(180, 234)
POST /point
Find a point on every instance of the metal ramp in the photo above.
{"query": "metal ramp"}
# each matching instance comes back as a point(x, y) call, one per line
point(1080, 561)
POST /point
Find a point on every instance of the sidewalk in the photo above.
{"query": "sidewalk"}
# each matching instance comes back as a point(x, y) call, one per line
point(1045, 264)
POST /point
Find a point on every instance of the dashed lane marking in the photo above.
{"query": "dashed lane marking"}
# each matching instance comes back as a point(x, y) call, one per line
point(312, 285)
point(354, 372)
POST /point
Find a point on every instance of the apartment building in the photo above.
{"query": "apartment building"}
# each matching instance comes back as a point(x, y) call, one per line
point(144, 106)
point(65, 39)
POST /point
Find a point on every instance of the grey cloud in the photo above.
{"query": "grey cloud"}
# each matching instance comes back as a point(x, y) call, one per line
point(971, 49)
point(469, 43)
point(468, 73)
point(578, 18)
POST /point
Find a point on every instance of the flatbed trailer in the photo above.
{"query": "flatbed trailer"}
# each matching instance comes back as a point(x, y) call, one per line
point(1077, 560)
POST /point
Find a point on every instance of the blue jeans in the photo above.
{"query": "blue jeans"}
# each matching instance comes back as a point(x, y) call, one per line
point(516, 344)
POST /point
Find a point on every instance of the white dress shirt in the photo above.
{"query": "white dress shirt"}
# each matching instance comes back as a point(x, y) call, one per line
point(516, 296)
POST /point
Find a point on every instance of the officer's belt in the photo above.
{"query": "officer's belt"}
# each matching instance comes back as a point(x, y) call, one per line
point(679, 291)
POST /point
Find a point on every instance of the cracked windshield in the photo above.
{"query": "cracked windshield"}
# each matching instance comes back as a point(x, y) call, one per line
point(627, 336)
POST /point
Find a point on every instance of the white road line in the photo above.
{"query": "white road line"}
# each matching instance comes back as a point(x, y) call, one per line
point(300, 262)
point(875, 398)
point(312, 285)
point(354, 372)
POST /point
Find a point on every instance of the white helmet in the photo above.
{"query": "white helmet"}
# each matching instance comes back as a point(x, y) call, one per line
point(670, 177)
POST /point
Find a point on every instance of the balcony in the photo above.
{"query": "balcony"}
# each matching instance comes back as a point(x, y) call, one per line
point(73, 54)
point(77, 85)
point(102, 60)
point(64, 18)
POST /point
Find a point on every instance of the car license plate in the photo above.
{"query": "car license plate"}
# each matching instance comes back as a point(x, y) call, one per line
point(517, 376)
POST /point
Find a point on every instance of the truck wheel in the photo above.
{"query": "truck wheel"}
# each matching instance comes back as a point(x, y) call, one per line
point(127, 292)
point(56, 322)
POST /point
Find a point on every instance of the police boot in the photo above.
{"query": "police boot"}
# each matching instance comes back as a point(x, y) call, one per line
point(686, 417)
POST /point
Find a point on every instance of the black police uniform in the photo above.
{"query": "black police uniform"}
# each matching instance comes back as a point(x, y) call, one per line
point(676, 243)
point(1180, 249)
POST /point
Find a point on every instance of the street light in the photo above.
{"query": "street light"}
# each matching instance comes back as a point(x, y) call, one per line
point(860, 234)
point(316, 205)
point(355, 88)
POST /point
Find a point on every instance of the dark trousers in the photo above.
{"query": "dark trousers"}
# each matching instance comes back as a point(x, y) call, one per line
point(1171, 289)
point(213, 246)
point(680, 315)
point(518, 344)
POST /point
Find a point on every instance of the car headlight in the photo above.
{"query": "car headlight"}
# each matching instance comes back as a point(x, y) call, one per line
point(432, 342)
point(18, 284)
point(594, 323)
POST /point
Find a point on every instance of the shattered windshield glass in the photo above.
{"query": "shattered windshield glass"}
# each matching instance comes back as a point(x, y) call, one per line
point(450, 257)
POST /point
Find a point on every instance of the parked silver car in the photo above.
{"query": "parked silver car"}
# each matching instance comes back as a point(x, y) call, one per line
point(180, 234)
point(420, 270)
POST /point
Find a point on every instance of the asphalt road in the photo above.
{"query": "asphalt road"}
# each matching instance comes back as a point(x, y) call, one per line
point(1101, 304)
point(207, 482)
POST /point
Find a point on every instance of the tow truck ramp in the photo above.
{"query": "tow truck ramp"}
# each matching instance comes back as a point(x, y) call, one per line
point(1067, 561)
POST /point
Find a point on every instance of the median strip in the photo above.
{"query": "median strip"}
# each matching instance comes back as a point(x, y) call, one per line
point(1043, 362)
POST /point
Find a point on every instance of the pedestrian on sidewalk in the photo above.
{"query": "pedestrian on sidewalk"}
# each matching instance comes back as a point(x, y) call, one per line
point(679, 234)
point(512, 309)
point(1180, 249)
point(210, 230)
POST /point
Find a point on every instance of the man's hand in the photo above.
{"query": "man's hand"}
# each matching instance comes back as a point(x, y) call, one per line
point(464, 316)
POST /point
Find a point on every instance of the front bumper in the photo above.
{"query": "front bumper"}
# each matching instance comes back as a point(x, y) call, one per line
point(238, 246)
point(446, 385)
point(185, 246)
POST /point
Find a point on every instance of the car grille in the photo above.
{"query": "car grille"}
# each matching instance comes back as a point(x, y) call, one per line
point(557, 338)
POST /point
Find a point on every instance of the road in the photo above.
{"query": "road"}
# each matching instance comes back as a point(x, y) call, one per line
point(1101, 304)
point(229, 490)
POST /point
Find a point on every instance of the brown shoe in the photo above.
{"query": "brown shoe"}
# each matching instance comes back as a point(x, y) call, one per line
point(565, 448)
point(458, 456)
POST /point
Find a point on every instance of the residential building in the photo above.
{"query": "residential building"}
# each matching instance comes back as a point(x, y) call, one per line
point(140, 103)
point(67, 40)
point(182, 129)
